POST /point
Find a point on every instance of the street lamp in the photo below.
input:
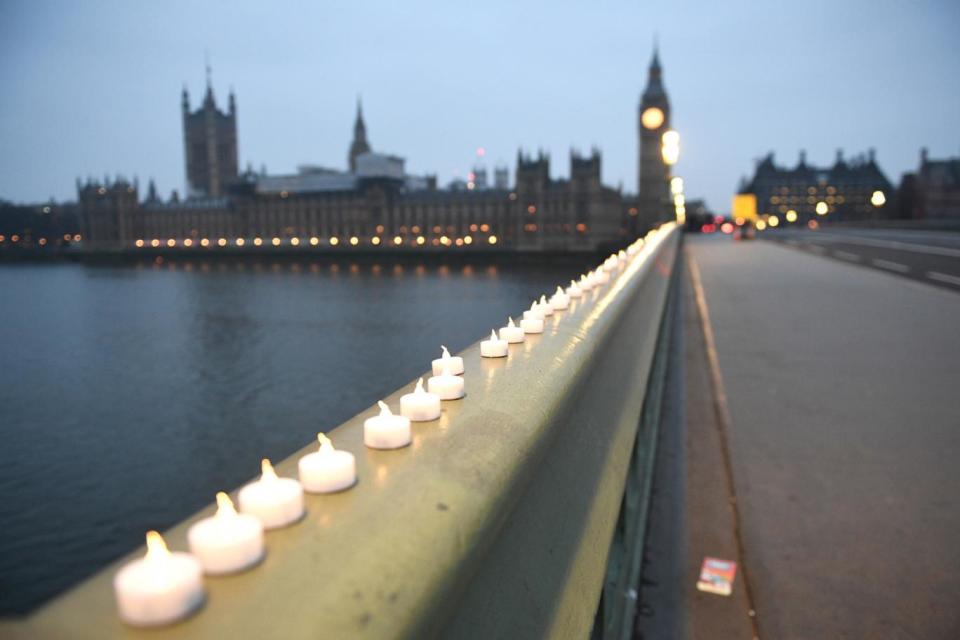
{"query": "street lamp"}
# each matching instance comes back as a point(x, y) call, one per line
point(878, 199)
point(670, 147)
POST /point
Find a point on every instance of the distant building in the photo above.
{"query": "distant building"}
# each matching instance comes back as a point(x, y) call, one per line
point(359, 145)
point(41, 227)
point(501, 178)
point(210, 144)
point(842, 192)
point(653, 174)
point(933, 191)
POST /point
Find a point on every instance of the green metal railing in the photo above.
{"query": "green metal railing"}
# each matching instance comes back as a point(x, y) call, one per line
point(499, 520)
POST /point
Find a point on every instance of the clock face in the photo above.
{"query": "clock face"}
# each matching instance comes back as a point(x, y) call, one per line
point(652, 118)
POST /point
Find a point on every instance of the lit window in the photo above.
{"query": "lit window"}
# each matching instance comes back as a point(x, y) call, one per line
point(379, 228)
point(459, 242)
point(435, 242)
point(43, 241)
point(582, 228)
point(484, 227)
point(414, 229)
point(473, 227)
point(532, 209)
point(436, 229)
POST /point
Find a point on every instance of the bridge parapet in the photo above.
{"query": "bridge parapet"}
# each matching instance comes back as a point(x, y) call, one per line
point(502, 519)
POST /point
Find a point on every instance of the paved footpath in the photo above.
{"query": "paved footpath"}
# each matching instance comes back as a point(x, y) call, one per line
point(843, 388)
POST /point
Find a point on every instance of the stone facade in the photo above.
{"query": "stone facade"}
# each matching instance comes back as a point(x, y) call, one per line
point(210, 145)
point(842, 192)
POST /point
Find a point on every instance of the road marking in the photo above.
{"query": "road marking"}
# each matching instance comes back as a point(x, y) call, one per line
point(891, 266)
point(846, 255)
point(891, 244)
point(943, 277)
point(724, 422)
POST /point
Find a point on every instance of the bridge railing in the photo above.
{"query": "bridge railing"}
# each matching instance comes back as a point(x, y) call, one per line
point(506, 518)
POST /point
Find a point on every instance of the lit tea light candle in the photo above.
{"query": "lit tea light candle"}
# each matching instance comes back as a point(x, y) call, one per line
point(228, 541)
point(455, 363)
point(446, 385)
point(159, 588)
point(420, 406)
point(586, 282)
point(560, 300)
point(276, 501)
point(494, 347)
point(511, 333)
point(621, 257)
point(328, 470)
point(534, 311)
point(545, 306)
point(574, 290)
point(386, 431)
point(533, 324)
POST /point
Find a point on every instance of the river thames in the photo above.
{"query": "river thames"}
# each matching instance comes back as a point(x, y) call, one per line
point(130, 394)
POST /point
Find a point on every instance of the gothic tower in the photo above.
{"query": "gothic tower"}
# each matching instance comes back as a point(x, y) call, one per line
point(210, 144)
point(359, 144)
point(654, 121)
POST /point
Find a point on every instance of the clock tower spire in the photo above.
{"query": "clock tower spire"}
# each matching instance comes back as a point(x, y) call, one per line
point(653, 174)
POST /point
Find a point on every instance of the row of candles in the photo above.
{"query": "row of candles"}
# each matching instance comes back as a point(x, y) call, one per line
point(163, 587)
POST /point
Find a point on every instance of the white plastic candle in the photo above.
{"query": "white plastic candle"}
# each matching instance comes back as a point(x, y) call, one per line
point(586, 282)
point(511, 333)
point(532, 324)
point(159, 588)
point(601, 276)
point(228, 541)
point(622, 258)
point(560, 300)
point(327, 470)
point(420, 406)
point(446, 385)
point(545, 306)
point(534, 311)
point(386, 431)
point(454, 363)
point(494, 347)
point(574, 290)
point(276, 501)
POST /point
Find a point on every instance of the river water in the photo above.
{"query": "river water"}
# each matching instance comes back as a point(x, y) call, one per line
point(130, 394)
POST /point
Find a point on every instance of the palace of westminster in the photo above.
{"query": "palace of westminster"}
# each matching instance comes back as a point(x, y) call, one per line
point(374, 203)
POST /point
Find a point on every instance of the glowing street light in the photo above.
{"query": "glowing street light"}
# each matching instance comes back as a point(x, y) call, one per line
point(822, 208)
point(791, 216)
point(676, 185)
point(878, 199)
point(670, 147)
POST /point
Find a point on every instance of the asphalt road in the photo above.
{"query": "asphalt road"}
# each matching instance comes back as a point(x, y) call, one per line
point(929, 256)
point(844, 432)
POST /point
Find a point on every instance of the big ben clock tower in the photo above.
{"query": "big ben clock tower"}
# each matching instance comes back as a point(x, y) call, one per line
point(654, 121)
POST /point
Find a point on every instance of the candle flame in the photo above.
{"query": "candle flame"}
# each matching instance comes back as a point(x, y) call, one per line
point(510, 323)
point(384, 409)
point(446, 354)
point(533, 306)
point(225, 505)
point(326, 445)
point(419, 388)
point(573, 283)
point(493, 335)
point(266, 471)
point(543, 300)
point(156, 547)
point(559, 290)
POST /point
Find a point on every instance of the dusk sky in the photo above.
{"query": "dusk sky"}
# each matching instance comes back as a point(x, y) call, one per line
point(93, 88)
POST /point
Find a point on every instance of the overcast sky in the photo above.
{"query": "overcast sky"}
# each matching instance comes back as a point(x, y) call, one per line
point(88, 88)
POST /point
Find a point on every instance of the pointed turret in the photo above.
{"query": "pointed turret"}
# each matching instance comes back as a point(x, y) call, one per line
point(359, 145)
